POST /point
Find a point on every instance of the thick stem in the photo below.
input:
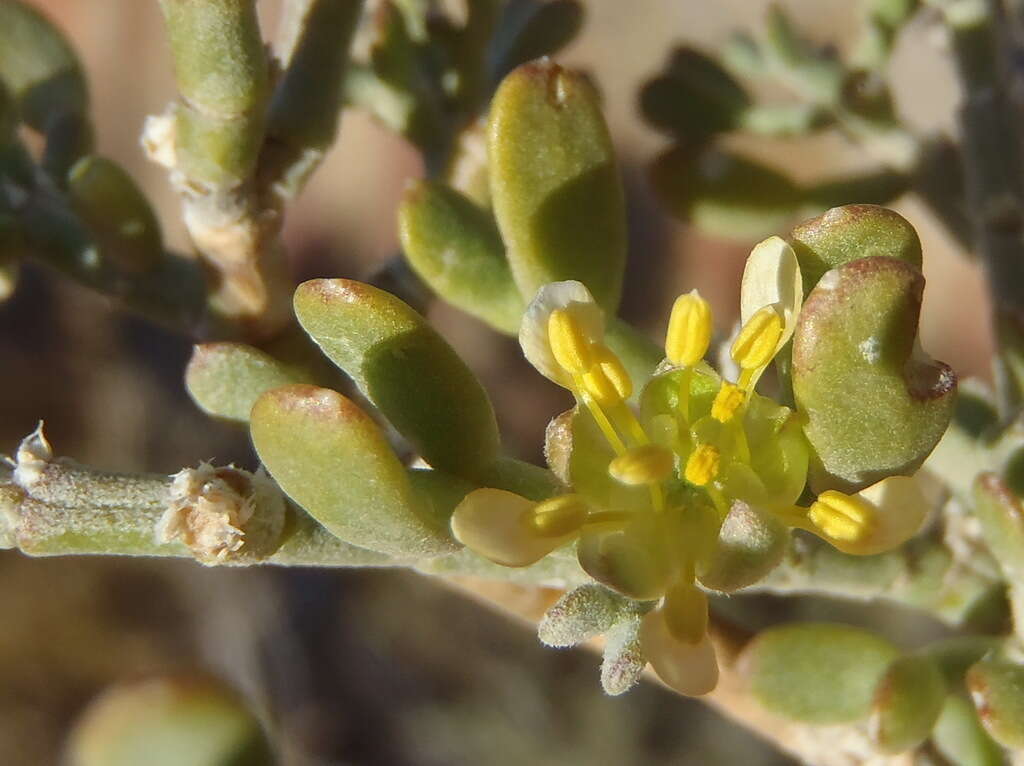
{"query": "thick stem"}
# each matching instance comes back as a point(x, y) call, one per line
point(995, 190)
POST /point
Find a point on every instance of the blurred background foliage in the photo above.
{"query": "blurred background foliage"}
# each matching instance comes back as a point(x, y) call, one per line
point(364, 667)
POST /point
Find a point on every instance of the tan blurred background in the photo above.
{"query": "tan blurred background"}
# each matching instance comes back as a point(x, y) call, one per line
point(375, 667)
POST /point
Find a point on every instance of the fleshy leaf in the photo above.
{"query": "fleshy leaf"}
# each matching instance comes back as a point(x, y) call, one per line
point(226, 379)
point(332, 459)
point(694, 98)
point(555, 187)
point(406, 369)
point(116, 211)
point(530, 30)
point(875, 404)
point(851, 232)
point(818, 673)
point(959, 736)
point(1002, 523)
point(169, 721)
point(724, 194)
point(997, 688)
point(907, 704)
point(455, 247)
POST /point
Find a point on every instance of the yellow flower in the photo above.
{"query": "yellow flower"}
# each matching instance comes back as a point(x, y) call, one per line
point(652, 486)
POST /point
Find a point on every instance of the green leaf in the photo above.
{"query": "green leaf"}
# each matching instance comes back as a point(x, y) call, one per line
point(332, 459)
point(455, 247)
point(169, 721)
point(406, 369)
point(529, 30)
point(997, 688)
point(725, 194)
point(116, 212)
point(226, 379)
point(819, 673)
point(555, 187)
point(875, 406)
point(694, 98)
point(907, 704)
point(851, 232)
point(1002, 523)
point(38, 66)
point(959, 736)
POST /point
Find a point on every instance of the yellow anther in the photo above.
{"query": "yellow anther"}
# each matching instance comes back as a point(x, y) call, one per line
point(689, 330)
point(755, 346)
point(702, 466)
point(686, 612)
point(642, 465)
point(727, 402)
point(570, 345)
point(607, 380)
point(558, 516)
point(841, 516)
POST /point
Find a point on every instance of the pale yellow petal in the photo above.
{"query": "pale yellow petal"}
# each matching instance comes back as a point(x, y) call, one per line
point(772, 278)
point(496, 525)
point(533, 333)
point(690, 669)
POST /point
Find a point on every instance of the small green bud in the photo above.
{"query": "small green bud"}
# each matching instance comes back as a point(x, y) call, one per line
point(997, 688)
point(907, 704)
point(555, 186)
point(332, 459)
point(875, 405)
point(169, 722)
point(850, 232)
point(818, 673)
point(406, 369)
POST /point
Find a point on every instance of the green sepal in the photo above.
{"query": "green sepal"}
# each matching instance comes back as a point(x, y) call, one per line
point(818, 673)
point(116, 212)
point(694, 98)
point(169, 721)
point(960, 737)
point(581, 614)
point(848, 233)
point(874, 405)
point(334, 461)
point(997, 688)
point(457, 250)
point(555, 186)
point(907, 704)
point(226, 379)
point(725, 194)
point(751, 543)
point(406, 369)
point(623, 659)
